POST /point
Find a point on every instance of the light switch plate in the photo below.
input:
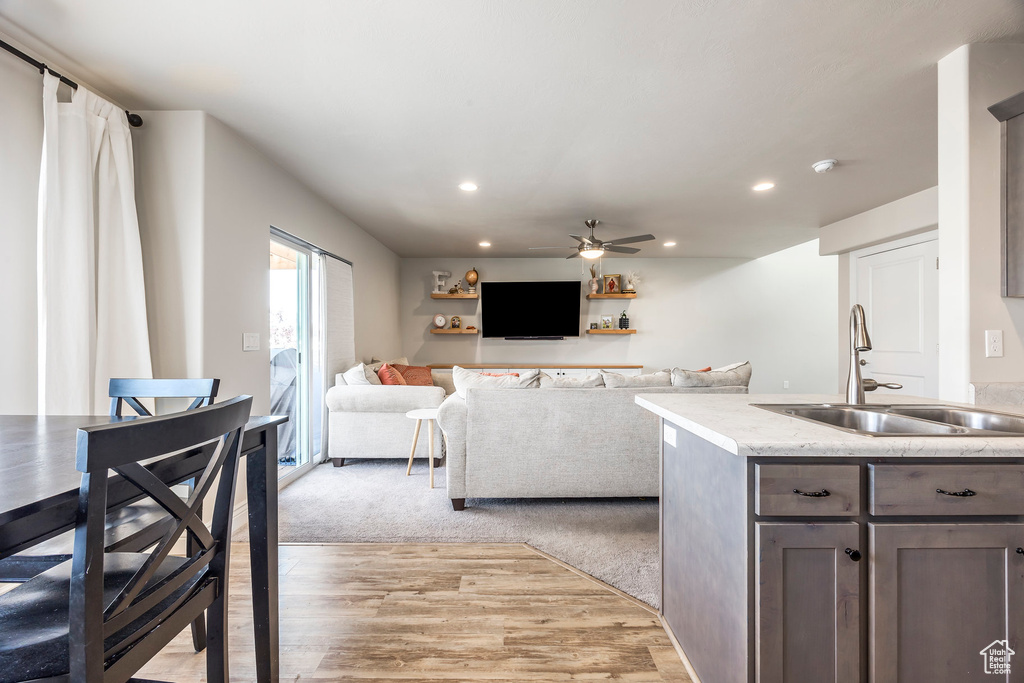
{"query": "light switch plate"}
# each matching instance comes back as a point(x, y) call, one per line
point(250, 341)
point(993, 343)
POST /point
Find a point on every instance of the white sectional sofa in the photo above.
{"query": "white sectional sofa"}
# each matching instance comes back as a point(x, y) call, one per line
point(553, 442)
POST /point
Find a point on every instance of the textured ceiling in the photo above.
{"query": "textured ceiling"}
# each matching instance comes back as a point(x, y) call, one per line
point(654, 116)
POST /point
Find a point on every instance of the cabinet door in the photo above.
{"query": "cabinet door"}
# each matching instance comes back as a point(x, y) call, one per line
point(808, 603)
point(576, 373)
point(940, 595)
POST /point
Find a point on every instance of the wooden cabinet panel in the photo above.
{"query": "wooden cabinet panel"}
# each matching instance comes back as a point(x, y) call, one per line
point(808, 603)
point(939, 595)
point(807, 490)
point(912, 489)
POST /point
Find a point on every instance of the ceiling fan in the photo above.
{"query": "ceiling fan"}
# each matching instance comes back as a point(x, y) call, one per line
point(591, 247)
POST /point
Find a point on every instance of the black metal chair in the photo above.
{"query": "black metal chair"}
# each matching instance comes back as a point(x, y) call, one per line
point(102, 616)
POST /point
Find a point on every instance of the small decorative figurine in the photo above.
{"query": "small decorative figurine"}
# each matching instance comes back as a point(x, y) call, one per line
point(594, 282)
point(456, 322)
point(623, 321)
point(471, 278)
point(440, 278)
point(632, 280)
point(457, 289)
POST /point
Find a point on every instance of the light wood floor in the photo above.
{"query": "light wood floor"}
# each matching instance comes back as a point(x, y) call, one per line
point(438, 612)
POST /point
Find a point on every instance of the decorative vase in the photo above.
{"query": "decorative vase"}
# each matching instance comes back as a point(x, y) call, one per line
point(471, 279)
point(593, 285)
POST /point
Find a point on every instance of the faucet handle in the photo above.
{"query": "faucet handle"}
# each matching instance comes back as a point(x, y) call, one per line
point(871, 385)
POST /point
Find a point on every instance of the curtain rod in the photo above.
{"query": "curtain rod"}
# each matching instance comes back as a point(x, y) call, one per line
point(134, 120)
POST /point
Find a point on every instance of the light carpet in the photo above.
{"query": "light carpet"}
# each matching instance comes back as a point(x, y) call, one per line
point(372, 501)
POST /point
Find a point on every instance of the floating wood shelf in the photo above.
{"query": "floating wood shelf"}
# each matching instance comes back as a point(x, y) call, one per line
point(451, 331)
point(629, 331)
point(612, 296)
point(464, 295)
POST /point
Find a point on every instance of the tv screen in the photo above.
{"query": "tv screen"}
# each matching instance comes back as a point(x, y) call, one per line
point(530, 310)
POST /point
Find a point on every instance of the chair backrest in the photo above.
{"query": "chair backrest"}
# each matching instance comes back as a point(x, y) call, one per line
point(152, 582)
point(126, 390)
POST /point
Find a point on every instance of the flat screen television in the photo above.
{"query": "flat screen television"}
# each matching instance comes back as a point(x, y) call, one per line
point(530, 310)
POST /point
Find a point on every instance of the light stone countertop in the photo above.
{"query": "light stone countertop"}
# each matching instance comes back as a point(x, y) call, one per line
point(732, 423)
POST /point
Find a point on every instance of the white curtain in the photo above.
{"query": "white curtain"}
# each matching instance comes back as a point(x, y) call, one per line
point(91, 295)
point(339, 325)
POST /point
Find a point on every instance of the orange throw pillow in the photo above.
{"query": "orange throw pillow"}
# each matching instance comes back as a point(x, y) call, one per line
point(500, 374)
point(390, 376)
point(415, 375)
point(707, 369)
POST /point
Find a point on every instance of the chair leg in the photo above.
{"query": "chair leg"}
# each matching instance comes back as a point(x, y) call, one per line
point(412, 452)
point(338, 462)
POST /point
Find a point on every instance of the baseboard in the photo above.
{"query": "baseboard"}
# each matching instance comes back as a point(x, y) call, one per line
point(679, 650)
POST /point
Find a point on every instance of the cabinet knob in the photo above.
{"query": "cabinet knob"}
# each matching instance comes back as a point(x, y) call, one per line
point(812, 494)
point(1020, 551)
point(854, 554)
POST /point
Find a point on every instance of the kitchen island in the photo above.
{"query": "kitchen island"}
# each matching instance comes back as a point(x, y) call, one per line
point(794, 551)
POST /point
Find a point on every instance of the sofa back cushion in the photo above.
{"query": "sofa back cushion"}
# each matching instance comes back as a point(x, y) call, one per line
point(735, 375)
point(353, 377)
point(614, 380)
point(390, 376)
point(588, 382)
point(465, 379)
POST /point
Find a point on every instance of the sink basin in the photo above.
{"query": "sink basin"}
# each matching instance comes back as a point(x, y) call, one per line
point(965, 417)
point(868, 421)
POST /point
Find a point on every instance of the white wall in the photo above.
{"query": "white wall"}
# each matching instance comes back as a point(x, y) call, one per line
point(778, 312)
point(21, 140)
point(224, 277)
point(970, 80)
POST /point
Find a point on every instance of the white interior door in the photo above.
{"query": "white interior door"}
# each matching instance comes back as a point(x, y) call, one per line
point(898, 288)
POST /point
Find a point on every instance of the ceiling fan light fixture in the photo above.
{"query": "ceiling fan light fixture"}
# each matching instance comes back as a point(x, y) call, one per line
point(591, 252)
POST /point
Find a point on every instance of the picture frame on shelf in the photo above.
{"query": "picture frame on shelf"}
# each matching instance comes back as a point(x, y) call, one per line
point(613, 284)
point(456, 322)
point(606, 322)
point(593, 326)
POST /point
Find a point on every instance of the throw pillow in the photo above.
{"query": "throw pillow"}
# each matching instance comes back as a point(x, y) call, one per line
point(590, 381)
point(500, 374)
point(614, 380)
point(735, 375)
point(467, 379)
point(375, 365)
point(389, 376)
point(356, 376)
point(415, 375)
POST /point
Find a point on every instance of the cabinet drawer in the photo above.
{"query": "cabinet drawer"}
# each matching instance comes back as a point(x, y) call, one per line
point(914, 489)
point(784, 490)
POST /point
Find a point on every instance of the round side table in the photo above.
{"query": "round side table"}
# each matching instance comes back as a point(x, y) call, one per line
point(421, 414)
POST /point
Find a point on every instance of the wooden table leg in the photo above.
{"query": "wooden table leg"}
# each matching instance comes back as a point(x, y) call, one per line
point(430, 433)
point(261, 475)
point(415, 438)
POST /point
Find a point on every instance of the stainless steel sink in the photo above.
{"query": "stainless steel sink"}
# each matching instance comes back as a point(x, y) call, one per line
point(903, 420)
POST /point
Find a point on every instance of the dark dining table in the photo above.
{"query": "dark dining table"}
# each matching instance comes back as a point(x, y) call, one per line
point(39, 498)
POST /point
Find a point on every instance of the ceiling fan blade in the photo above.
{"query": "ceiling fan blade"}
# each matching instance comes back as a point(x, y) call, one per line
point(582, 240)
point(551, 247)
point(621, 250)
point(576, 255)
point(630, 240)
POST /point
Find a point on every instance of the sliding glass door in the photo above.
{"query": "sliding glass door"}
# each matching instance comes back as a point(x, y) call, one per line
point(296, 352)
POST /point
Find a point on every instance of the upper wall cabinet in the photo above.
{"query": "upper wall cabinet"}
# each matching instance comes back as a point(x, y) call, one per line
point(1011, 112)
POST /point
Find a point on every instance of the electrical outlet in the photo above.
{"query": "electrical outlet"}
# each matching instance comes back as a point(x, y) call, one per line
point(785, 384)
point(250, 341)
point(993, 343)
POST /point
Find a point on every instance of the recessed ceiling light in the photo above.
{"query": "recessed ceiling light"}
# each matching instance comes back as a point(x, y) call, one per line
point(761, 187)
point(670, 244)
point(467, 187)
point(485, 244)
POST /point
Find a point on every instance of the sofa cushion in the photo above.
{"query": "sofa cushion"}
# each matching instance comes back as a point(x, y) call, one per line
point(415, 375)
point(390, 376)
point(355, 376)
point(735, 375)
point(614, 380)
point(467, 379)
point(394, 399)
point(590, 381)
point(443, 380)
point(375, 365)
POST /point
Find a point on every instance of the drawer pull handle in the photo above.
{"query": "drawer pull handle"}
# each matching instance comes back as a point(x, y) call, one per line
point(816, 494)
point(966, 493)
point(1020, 551)
point(854, 554)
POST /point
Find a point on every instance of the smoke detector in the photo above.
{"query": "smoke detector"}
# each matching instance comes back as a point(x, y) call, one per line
point(824, 166)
